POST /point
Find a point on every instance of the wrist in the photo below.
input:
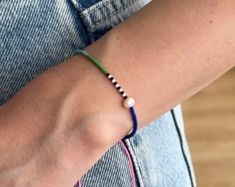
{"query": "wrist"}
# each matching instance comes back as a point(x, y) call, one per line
point(93, 100)
point(74, 121)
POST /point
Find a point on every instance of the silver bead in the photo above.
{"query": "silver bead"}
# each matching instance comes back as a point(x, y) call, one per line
point(129, 102)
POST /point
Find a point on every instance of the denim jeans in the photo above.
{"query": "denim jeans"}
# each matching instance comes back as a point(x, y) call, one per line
point(38, 34)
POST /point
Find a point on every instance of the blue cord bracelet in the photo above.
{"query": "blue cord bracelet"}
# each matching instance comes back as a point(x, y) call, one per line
point(135, 123)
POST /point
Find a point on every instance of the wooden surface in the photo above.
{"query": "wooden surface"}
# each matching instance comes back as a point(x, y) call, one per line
point(210, 128)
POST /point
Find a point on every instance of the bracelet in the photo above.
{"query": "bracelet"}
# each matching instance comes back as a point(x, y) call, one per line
point(128, 102)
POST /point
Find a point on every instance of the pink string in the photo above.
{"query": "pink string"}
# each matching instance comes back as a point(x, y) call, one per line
point(78, 184)
point(130, 164)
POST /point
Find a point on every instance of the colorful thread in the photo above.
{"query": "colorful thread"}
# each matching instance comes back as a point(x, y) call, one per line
point(128, 101)
point(117, 86)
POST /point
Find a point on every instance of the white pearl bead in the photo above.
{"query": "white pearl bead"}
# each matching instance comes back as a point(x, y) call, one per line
point(129, 102)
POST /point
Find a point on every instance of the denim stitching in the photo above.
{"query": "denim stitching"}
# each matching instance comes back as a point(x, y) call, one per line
point(95, 8)
point(125, 6)
point(94, 25)
point(103, 19)
point(135, 162)
point(182, 148)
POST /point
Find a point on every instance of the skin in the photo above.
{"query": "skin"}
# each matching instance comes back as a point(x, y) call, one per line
point(56, 127)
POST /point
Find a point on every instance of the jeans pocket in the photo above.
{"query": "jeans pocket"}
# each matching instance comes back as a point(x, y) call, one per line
point(106, 14)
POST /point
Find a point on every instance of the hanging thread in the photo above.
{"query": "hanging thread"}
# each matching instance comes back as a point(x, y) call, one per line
point(130, 165)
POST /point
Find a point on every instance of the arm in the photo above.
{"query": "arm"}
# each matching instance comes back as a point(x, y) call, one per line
point(181, 47)
point(169, 51)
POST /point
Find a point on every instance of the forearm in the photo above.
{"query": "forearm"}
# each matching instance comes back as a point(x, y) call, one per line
point(169, 51)
point(55, 125)
point(38, 135)
point(30, 118)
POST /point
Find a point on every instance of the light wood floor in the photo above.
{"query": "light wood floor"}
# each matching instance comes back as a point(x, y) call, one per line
point(210, 128)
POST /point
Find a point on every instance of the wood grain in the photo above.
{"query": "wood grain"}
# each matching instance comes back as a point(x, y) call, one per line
point(210, 127)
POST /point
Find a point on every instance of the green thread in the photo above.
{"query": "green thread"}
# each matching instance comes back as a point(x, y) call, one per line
point(94, 61)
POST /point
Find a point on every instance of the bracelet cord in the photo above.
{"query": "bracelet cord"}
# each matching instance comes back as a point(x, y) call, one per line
point(104, 70)
point(128, 101)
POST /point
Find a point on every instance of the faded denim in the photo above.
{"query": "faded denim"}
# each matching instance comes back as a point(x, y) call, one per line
point(38, 34)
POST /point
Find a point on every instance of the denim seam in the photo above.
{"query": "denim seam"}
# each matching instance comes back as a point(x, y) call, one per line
point(182, 148)
point(95, 8)
point(125, 6)
point(82, 22)
point(103, 19)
